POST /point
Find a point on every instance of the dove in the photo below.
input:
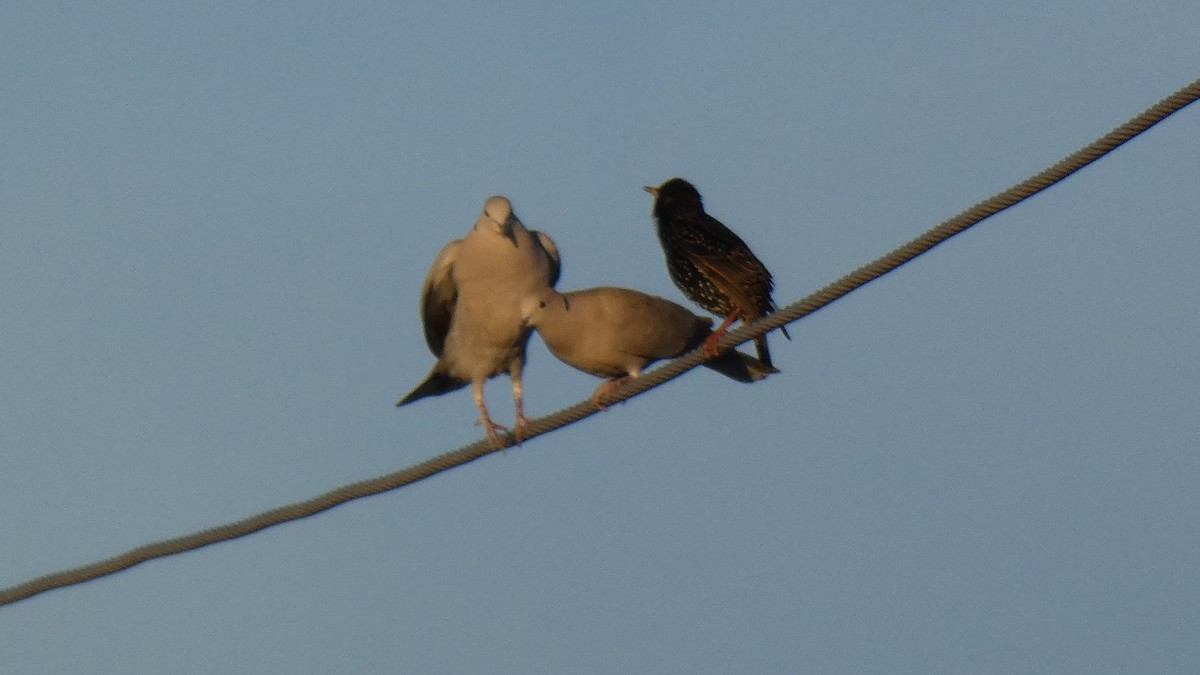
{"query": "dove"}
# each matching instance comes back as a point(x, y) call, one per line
point(615, 332)
point(469, 308)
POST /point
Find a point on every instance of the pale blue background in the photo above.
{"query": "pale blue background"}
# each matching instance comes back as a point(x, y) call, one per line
point(215, 219)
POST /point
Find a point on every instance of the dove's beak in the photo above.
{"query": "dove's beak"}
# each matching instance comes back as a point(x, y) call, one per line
point(509, 229)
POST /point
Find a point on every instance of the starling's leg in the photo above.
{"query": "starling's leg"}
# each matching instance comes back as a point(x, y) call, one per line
point(518, 391)
point(710, 342)
point(606, 388)
point(489, 427)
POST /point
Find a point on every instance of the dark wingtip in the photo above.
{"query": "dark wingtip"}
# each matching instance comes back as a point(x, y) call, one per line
point(764, 354)
point(435, 384)
point(759, 370)
point(741, 367)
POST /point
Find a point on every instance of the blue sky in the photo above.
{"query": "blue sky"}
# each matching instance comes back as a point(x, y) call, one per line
point(217, 217)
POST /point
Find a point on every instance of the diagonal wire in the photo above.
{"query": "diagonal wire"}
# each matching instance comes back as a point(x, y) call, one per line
point(654, 378)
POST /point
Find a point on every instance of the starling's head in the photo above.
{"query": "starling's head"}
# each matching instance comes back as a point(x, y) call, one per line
point(675, 197)
point(536, 306)
point(498, 215)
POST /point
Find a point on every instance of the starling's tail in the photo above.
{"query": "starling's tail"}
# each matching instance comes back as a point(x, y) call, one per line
point(435, 384)
point(741, 367)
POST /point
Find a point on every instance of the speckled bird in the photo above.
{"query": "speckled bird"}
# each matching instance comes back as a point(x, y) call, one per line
point(708, 262)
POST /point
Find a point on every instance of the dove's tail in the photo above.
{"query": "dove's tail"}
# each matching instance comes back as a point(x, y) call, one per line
point(741, 367)
point(434, 385)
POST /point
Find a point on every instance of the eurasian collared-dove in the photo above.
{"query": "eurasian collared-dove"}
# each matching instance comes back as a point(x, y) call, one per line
point(708, 262)
point(615, 332)
point(469, 307)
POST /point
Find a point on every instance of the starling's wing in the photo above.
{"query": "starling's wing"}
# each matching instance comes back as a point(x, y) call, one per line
point(547, 244)
point(741, 277)
point(438, 297)
point(722, 258)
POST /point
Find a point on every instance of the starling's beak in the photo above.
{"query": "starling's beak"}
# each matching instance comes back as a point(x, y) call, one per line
point(652, 190)
point(508, 229)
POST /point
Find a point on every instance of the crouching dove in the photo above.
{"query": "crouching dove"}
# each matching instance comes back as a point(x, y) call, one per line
point(616, 332)
point(469, 308)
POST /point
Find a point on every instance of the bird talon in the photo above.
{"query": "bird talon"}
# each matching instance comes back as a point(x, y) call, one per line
point(709, 347)
point(605, 389)
point(492, 430)
point(596, 402)
point(519, 428)
point(485, 422)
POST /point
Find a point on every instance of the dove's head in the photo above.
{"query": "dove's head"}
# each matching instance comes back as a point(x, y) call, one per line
point(498, 215)
point(536, 307)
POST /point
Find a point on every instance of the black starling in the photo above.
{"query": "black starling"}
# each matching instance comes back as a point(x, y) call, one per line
point(708, 262)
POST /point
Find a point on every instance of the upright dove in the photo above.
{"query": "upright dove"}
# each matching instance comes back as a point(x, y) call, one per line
point(616, 332)
point(708, 262)
point(469, 308)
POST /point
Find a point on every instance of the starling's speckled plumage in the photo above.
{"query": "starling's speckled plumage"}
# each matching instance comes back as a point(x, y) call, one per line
point(708, 262)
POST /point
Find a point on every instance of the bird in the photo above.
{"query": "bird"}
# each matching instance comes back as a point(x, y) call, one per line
point(708, 262)
point(615, 332)
point(469, 308)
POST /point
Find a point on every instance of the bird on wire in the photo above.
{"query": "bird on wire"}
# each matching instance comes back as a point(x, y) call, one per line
point(711, 265)
point(616, 332)
point(469, 308)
